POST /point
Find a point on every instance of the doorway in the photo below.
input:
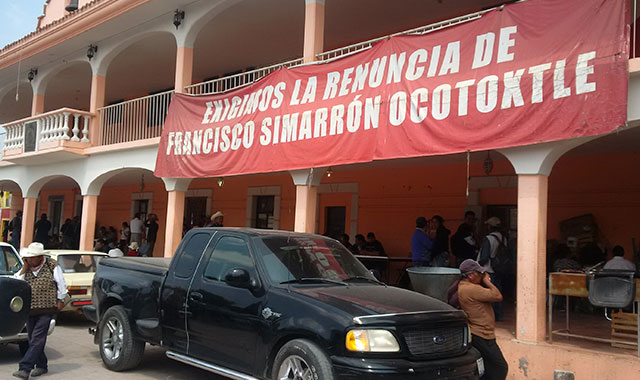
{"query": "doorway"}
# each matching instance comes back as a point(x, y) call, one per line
point(195, 210)
point(335, 220)
point(56, 213)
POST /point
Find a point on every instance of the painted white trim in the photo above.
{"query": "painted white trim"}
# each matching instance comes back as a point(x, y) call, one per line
point(252, 193)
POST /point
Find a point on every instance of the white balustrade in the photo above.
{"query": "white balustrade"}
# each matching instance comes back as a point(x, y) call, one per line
point(136, 119)
point(60, 125)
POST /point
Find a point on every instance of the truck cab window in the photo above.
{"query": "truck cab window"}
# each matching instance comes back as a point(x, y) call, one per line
point(190, 255)
point(230, 252)
point(9, 263)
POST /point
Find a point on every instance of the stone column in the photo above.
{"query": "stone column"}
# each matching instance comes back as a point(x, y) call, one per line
point(532, 238)
point(28, 221)
point(175, 216)
point(184, 68)
point(313, 29)
point(98, 90)
point(306, 181)
point(37, 104)
point(88, 223)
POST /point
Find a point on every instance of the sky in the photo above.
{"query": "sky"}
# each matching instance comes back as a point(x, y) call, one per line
point(19, 18)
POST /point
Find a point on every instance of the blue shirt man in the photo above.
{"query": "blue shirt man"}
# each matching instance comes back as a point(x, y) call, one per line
point(421, 244)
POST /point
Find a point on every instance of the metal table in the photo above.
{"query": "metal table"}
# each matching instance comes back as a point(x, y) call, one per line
point(575, 285)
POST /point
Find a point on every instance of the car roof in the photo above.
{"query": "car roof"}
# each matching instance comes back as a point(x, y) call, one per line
point(257, 232)
point(61, 252)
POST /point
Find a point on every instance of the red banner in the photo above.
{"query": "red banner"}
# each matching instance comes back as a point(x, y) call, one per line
point(535, 71)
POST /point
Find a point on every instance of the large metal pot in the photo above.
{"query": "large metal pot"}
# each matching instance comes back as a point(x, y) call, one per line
point(433, 281)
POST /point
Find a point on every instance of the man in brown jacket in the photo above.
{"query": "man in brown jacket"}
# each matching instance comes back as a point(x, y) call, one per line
point(476, 292)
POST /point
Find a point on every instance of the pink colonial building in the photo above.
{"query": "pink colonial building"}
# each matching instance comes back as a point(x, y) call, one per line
point(83, 101)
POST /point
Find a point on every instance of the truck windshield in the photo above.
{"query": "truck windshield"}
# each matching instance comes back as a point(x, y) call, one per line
point(296, 258)
point(9, 262)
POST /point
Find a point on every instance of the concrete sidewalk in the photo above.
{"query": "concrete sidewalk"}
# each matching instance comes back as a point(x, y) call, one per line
point(72, 355)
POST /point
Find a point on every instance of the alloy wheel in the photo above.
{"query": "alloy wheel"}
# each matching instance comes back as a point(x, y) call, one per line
point(112, 338)
point(294, 368)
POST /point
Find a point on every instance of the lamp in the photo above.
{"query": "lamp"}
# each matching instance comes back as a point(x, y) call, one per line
point(178, 17)
point(73, 6)
point(220, 182)
point(488, 163)
point(329, 172)
point(32, 74)
point(91, 51)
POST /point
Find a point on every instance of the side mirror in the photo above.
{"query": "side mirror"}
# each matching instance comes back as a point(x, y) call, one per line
point(239, 278)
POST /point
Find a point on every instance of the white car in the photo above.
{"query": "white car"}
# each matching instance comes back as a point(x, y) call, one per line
point(78, 269)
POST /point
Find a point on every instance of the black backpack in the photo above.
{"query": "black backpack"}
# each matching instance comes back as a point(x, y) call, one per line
point(502, 261)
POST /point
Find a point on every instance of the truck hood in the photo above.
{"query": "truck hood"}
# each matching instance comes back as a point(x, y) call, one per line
point(368, 304)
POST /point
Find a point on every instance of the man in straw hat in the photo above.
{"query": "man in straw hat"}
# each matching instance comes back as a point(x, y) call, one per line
point(48, 293)
point(217, 219)
point(475, 294)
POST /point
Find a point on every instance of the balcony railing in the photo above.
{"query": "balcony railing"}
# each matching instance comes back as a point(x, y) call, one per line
point(36, 132)
point(216, 86)
point(135, 119)
point(360, 46)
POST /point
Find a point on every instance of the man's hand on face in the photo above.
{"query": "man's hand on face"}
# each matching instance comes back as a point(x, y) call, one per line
point(486, 279)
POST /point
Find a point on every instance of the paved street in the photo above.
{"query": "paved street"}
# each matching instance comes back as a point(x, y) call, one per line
point(72, 355)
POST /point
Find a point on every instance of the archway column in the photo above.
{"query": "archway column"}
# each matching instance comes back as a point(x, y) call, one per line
point(533, 164)
point(176, 194)
point(37, 104)
point(98, 91)
point(306, 181)
point(184, 68)
point(88, 222)
point(313, 29)
point(28, 221)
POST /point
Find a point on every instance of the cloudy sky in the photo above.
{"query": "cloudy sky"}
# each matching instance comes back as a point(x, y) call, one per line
point(19, 18)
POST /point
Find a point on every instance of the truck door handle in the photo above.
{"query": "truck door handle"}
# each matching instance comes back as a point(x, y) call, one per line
point(195, 296)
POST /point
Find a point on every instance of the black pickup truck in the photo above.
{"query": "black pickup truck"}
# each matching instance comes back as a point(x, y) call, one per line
point(256, 304)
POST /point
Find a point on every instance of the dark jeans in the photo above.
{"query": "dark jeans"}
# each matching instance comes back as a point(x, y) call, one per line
point(495, 367)
point(37, 327)
point(498, 307)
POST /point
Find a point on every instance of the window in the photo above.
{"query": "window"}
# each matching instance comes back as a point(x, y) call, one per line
point(264, 211)
point(9, 263)
point(141, 206)
point(78, 263)
point(190, 254)
point(230, 253)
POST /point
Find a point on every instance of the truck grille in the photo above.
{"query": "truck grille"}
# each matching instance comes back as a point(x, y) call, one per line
point(435, 341)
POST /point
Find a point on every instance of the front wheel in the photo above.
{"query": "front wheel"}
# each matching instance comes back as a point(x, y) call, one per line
point(118, 349)
point(301, 359)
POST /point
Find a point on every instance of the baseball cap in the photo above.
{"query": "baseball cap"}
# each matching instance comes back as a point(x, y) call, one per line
point(493, 221)
point(470, 265)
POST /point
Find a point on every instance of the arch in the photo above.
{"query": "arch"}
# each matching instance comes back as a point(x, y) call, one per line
point(44, 76)
point(33, 190)
point(107, 55)
point(11, 186)
point(20, 109)
point(94, 185)
point(187, 36)
point(69, 87)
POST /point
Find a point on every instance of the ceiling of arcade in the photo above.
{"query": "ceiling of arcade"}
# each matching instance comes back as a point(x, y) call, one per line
point(69, 88)
point(10, 109)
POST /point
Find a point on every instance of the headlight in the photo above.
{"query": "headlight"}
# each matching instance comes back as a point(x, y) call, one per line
point(371, 341)
point(16, 304)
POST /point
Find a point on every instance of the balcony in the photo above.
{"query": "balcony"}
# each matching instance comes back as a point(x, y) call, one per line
point(62, 134)
point(136, 119)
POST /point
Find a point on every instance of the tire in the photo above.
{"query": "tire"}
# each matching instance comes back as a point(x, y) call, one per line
point(118, 348)
point(301, 359)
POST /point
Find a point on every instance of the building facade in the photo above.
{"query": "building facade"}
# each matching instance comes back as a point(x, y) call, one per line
point(83, 123)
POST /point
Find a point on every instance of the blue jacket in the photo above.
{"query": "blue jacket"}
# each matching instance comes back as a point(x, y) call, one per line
point(421, 245)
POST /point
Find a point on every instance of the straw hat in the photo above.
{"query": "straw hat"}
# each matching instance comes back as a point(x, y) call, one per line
point(217, 214)
point(493, 221)
point(134, 246)
point(35, 249)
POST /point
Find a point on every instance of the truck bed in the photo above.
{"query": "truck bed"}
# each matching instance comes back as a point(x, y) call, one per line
point(150, 265)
